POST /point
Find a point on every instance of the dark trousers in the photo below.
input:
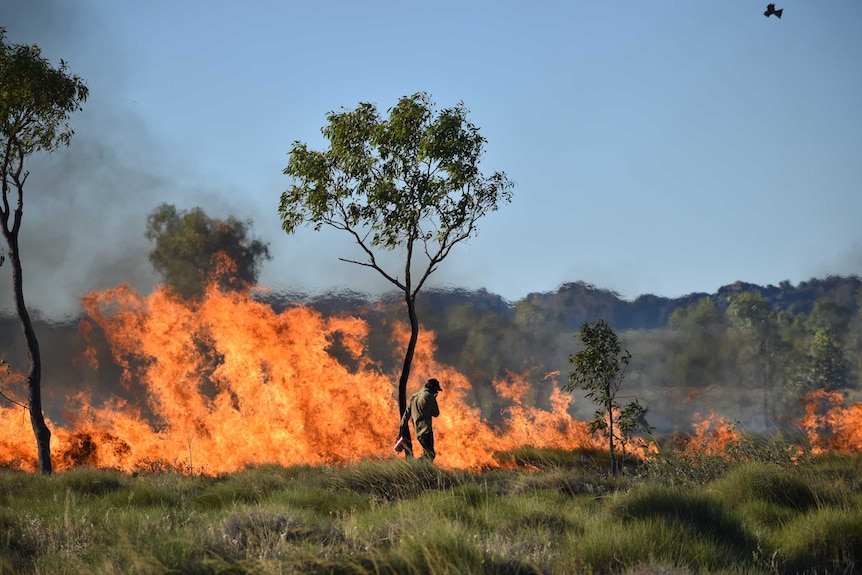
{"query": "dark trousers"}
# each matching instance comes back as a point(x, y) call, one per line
point(427, 443)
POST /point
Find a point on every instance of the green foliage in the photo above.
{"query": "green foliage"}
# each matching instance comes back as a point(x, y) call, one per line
point(409, 181)
point(831, 316)
point(761, 351)
point(549, 458)
point(92, 482)
point(699, 350)
point(828, 368)
point(412, 177)
point(751, 312)
point(36, 101)
point(192, 249)
point(599, 369)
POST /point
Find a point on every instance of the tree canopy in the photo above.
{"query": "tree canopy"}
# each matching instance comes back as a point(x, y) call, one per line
point(191, 248)
point(410, 180)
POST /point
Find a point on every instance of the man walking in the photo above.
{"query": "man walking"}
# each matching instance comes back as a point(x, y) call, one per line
point(421, 408)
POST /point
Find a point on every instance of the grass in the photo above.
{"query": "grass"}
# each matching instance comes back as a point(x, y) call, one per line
point(557, 512)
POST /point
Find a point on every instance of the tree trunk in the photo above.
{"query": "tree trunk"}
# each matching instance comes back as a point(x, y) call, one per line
point(611, 440)
point(408, 355)
point(34, 374)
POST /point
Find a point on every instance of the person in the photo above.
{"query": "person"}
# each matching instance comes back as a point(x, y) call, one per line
point(421, 409)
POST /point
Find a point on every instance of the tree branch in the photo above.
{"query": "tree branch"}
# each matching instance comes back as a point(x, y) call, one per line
point(10, 400)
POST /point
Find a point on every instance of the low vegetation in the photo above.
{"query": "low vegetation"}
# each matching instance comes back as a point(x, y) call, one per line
point(552, 512)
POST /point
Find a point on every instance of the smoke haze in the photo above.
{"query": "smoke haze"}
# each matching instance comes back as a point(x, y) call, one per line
point(85, 206)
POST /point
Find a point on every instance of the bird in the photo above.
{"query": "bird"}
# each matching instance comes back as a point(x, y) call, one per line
point(770, 10)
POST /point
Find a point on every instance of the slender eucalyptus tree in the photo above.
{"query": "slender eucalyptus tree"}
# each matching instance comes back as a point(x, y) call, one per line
point(600, 369)
point(36, 100)
point(409, 181)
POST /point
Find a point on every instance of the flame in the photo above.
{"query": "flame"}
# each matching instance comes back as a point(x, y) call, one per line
point(227, 382)
point(713, 435)
point(829, 425)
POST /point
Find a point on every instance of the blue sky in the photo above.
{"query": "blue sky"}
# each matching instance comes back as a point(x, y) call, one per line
point(657, 147)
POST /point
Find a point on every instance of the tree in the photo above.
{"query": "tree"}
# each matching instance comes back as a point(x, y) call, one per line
point(36, 101)
point(599, 369)
point(189, 246)
point(828, 368)
point(409, 181)
point(756, 324)
point(831, 316)
point(697, 356)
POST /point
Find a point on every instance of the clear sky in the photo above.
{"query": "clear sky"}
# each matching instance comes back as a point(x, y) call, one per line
point(659, 147)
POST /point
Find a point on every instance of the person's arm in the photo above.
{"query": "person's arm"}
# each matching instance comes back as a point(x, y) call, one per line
point(433, 408)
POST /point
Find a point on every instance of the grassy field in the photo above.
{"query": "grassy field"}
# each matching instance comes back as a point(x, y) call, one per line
point(555, 512)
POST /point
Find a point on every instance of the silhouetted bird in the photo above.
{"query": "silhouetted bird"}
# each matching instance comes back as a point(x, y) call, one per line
point(770, 10)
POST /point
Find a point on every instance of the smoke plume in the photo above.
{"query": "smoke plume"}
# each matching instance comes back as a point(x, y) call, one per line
point(85, 206)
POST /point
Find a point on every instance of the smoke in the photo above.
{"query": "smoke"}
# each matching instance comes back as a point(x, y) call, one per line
point(85, 206)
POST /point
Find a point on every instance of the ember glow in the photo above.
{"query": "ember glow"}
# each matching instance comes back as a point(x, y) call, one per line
point(228, 382)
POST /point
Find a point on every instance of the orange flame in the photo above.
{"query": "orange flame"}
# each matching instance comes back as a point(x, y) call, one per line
point(830, 425)
point(227, 382)
point(713, 435)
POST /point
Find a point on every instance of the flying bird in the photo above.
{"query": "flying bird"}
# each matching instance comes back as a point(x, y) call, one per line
point(770, 10)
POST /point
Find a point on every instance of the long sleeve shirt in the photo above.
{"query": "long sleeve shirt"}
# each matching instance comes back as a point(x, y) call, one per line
point(423, 406)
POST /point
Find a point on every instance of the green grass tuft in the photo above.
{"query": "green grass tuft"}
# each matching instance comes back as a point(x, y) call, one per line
point(777, 485)
point(697, 513)
point(823, 541)
point(396, 479)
